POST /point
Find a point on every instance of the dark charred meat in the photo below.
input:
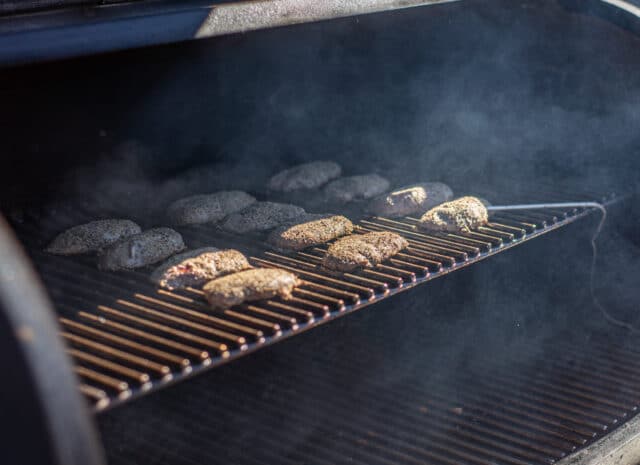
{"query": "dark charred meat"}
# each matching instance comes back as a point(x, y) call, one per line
point(196, 267)
point(146, 248)
point(363, 250)
point(208, 208)
point(460, 215)
point(249, 285)
point(261, 216)
point(417, 198)
point(310, 230)
point(358, 187)
point(91, 237)
point(306, 176)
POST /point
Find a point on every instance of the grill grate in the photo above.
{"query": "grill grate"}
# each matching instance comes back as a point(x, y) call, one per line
point(494, 411)
point(127, 337)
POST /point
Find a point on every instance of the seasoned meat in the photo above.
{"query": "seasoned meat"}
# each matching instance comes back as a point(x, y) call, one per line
point(363, 250)
point(416, 198)
point(249, 285)
point(459, 215)
point(305, 176)
point(358, 187)
point(208, 208)
point(91, 237)
point(146, 248)
point(261, 216)
point(196, 267)
point(310, 230)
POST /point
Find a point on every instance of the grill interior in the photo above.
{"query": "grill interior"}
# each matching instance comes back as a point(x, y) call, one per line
point(508, 362)
point(128, 337)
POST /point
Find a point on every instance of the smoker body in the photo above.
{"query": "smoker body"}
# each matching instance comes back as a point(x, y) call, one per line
point(372, 92)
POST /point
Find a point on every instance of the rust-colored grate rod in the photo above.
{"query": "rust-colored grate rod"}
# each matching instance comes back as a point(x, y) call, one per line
point(128, 337)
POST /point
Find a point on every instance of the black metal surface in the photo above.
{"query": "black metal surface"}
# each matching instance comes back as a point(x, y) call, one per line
point(43, 418)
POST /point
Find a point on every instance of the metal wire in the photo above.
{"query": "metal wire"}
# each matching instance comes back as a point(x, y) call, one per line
point(534, 206)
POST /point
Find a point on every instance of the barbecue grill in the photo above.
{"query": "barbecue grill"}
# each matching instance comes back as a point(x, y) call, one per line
point(523, 351)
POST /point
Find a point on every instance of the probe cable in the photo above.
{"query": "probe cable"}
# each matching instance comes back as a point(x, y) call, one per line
point(541, 206)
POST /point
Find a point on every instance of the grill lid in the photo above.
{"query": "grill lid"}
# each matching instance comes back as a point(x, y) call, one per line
point(91, 28)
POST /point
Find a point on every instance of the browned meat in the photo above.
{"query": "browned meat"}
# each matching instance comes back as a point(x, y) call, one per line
point(310, 230)
point(261, 216)
point(416, 198)
point(91, 237)
point(305, 176)
point(146, 248)
point(196, 267)
point(363, 250)
point(358, 187)
point(208, 208)
point(249, 285)
point(460, 215)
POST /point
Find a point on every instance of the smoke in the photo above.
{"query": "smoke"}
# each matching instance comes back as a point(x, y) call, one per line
point(505, 95)
point(503, 100)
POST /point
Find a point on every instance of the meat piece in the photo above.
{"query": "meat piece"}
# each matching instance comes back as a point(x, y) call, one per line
point(417, 198)
point(358, 187)
point(91, 237)
point(249, 285)
point(310, 230)
point(460, 215)
point(146, 248)
point(208, 208)
point(196, 267)
point(305, 176)
point(261, 216)
point(363, 250)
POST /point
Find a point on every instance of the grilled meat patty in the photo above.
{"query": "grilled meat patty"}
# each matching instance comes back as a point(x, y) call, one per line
point(363, 250)
point(308, 230)
point(261, 216)
point(305, 176)
point(196, 267)
point(146, 248)
point(359, 187)
point(249, 285)
point(416, 198)
point(208, 208)
point(91, 237)
point(460, 215)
